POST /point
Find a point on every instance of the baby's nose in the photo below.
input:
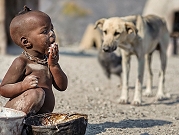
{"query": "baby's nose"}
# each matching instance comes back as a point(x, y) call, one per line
point(52, 33)
point(52, 36)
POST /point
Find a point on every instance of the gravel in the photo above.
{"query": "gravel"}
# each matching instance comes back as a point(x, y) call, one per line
point(90, 92)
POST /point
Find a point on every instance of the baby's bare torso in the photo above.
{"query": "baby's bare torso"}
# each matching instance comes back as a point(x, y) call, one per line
point(42, 71)
point(45, 82)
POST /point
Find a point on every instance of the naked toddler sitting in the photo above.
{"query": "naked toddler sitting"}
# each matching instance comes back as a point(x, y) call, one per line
point(28, 82)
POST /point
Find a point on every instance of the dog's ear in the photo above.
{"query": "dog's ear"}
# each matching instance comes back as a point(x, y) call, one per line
point(130, 28)
point(99, 23)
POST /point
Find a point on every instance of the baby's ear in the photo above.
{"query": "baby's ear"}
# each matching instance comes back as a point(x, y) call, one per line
point(25, 42)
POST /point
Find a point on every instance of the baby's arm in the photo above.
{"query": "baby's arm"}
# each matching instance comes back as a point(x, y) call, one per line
point(15, 82)
point(60, 80)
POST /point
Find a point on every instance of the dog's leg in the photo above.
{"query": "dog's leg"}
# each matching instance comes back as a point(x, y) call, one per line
point(138, 87)
point(125, 77)
point(148, 91)
point(120, 79)
point(160, 94)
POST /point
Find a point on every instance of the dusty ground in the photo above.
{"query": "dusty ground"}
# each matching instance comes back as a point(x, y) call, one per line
point(90, 92)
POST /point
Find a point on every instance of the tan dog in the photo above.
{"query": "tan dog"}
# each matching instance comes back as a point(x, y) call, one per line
point(139, 35)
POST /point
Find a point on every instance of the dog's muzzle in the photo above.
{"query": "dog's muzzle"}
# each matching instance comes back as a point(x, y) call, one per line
point(109, 48)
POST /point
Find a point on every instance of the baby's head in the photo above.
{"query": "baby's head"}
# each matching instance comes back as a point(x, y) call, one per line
point(29, 25)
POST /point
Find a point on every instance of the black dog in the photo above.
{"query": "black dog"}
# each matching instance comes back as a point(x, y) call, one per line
point(110, 62)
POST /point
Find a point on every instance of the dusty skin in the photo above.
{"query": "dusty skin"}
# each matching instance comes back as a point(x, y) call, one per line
point(90, 92)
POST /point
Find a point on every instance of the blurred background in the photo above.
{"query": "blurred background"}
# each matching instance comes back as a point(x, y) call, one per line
point(71, 17)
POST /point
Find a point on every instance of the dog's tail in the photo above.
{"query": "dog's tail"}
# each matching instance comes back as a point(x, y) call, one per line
point(164, 22)
point(165, 31)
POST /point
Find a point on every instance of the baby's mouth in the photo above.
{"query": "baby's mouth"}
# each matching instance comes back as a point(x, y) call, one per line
point(52, 42)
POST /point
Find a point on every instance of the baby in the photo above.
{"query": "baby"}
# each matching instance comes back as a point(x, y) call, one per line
point(28, 81)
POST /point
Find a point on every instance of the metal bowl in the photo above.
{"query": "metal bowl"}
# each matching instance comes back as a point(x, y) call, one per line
point(57, 124)
point(11, 121)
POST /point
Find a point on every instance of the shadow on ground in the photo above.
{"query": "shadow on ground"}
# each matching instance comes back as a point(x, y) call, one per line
point(174, 99)
point(77, 54)
point(127, 123)
point(16, 50)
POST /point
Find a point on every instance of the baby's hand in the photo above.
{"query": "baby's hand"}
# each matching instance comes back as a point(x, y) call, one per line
point(30, 81)
point(53, 55)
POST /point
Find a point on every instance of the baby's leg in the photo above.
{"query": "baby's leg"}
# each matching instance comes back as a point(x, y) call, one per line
point(29, 101)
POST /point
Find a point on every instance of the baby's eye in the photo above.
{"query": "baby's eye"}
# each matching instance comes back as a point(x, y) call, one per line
point(45, 32)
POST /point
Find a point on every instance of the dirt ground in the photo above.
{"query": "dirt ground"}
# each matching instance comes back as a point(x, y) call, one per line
point(90, 92)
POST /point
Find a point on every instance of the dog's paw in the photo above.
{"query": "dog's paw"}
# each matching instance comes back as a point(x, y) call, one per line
point(123, 101)
point(161, 97)
point(136, 102)
point(147, 94)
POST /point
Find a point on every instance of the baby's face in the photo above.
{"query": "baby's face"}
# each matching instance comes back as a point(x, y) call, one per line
point(41, 33)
